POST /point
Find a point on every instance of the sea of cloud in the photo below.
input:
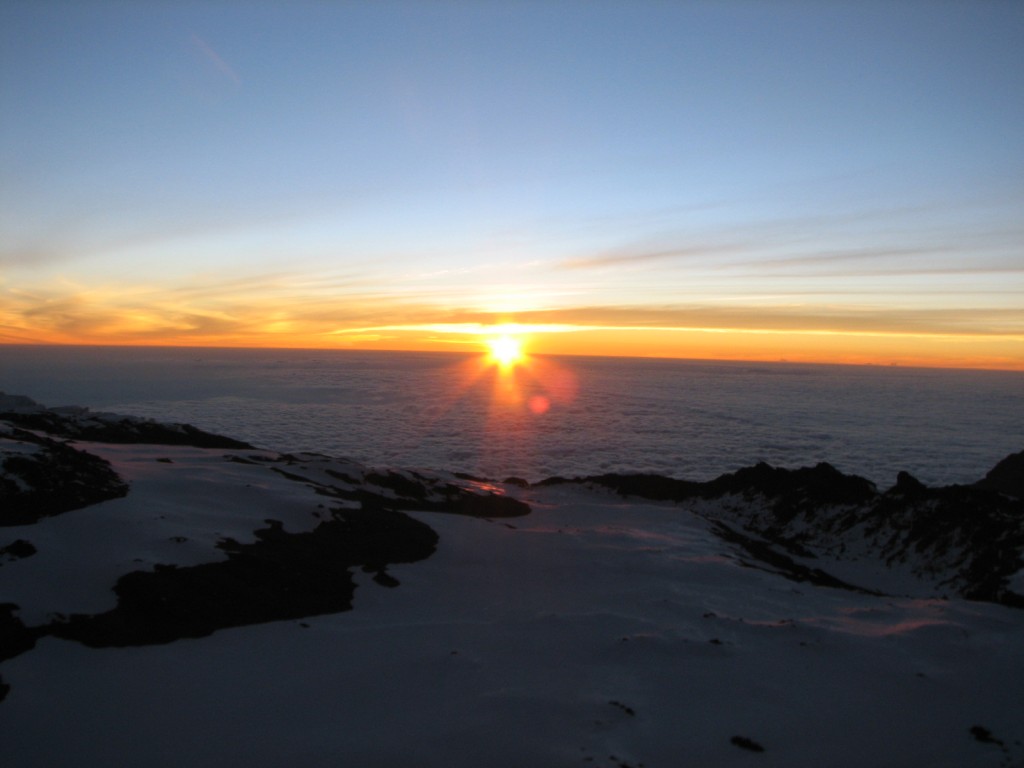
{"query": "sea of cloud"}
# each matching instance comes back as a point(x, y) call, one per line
point(556, 416)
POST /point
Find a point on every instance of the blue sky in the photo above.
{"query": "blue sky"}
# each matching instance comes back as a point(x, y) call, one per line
point(184, 171)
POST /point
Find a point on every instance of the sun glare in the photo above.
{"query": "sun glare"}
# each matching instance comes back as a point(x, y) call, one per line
point(505, 351)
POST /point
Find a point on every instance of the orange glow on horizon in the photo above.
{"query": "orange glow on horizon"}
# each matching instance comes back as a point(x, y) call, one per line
point(919, 349)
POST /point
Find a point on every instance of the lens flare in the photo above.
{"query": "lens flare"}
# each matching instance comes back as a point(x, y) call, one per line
point(539, 405)
point(505, 351)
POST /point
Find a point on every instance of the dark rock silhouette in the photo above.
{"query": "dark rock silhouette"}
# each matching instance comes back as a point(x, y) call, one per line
point(745, 743)
point(1006, 477)
point(50, 479)
point(83, 424)
point(15, 637)
point(54, 477)
point(16, 550)
point(968, 540)
point(280, 576)
point(389, 489)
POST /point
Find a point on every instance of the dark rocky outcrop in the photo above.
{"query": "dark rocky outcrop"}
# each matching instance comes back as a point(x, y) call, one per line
point(760, 551)
point(47, 477)
point(15, 637)
point(41, 475)
point(16, 550)
point(1006, 477)
point(77, 423)
point(391, 489)
point(966, 540)
point(103, 428)
point(280, 576)
point(791, 491)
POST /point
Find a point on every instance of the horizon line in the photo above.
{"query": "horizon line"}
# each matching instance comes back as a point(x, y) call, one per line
point(916, 365)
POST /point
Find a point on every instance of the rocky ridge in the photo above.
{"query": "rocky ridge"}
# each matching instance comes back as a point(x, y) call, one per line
point(78, 423)
point(813, 524)
point(955, 540)
point(280, 575)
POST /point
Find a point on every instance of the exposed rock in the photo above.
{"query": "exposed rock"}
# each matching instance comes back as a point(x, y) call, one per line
point(401, 490)
point(790, 490)
point(763, 552)
point(748, 744)
point(41, 477)
point(796, 489)
point(83, 424)
point(18, 404)
point(286, 575)
point(15, 637)
point(967, 540)
point(1006, 477)
point(126, 430)
point(17, 550)
point(280, 576)
point(984, 735)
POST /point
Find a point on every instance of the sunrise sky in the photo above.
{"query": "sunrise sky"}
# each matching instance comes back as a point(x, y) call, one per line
point(825, 181)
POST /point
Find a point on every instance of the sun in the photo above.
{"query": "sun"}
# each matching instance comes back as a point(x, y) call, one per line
point(505, 351)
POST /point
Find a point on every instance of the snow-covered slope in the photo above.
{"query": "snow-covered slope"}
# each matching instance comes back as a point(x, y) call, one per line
point(243, 607)
point(818, 524)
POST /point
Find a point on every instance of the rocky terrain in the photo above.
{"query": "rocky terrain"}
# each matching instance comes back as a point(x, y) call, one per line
point(613, 605)
point(814, 523)
point(280, 575)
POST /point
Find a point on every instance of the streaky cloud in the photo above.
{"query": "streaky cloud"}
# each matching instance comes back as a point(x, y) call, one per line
point(628, 258)
point(854, 255)
point(214, 58)
point(806, 319)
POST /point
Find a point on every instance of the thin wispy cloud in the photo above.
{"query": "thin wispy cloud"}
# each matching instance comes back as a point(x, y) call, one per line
point(810, 317)
point(854, 255)
point(32, 256)
point(641, 257)
point(214, 58)
point(297, 176)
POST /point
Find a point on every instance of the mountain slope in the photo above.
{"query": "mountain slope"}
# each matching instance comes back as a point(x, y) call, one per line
point(440, 620)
